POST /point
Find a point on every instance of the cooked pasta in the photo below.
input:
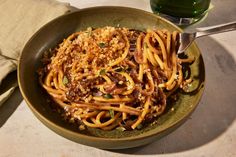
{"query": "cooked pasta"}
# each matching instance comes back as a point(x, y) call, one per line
point(114, 77)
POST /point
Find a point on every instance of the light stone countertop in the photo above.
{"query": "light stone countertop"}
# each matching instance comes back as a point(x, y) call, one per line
point(209, 132)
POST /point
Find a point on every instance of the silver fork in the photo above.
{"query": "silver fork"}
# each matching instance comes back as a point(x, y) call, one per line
point(187, 38)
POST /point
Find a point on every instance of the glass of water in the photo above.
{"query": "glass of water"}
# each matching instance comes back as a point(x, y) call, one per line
point(181, 12)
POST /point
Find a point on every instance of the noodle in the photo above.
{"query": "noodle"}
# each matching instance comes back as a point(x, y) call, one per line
point(96, 77)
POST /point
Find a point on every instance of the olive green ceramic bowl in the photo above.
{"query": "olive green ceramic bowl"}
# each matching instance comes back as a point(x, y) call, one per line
point(52, 33)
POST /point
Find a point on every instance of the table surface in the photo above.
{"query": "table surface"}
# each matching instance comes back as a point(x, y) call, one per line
point(211, 130)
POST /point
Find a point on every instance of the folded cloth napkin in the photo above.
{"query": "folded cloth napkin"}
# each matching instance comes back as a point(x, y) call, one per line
point(19, 20)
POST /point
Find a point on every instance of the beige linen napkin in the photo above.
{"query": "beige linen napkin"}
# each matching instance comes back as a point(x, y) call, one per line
point(19, 20)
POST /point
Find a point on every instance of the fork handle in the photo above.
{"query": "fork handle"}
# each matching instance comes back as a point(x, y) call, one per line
point(216, 29)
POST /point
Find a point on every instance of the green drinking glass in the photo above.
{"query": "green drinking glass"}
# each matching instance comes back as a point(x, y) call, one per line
point(181, 12)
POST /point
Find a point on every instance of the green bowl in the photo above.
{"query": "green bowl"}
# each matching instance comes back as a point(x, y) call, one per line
point(52, 33)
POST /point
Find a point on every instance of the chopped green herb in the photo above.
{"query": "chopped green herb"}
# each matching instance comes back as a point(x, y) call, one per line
point(111, 112)
point(65, 80)
point(102, 45)
point(140, 126)
point(119, 69)
point(108, 96)
point(120, 128)
point(102, 72)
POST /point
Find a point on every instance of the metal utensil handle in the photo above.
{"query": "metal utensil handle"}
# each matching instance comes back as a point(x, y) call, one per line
point(217, 29)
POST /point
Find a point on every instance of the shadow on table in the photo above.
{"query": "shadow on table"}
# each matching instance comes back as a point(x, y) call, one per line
point(10, 105)
point(215, 112)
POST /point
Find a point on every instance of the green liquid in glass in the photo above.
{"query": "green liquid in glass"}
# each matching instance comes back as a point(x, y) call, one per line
point(180, 8)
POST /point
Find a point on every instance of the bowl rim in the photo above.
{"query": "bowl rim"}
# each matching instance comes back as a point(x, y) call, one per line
point(48, 122)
